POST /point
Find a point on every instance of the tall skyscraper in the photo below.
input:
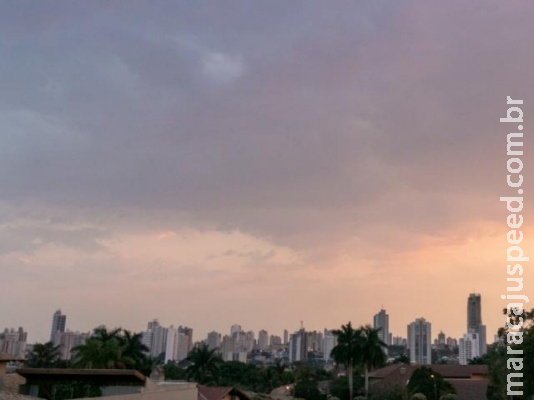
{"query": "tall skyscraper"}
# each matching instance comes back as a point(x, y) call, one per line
point(474, 321)
point(59, 321)
point(381, 321)
point(419, 342)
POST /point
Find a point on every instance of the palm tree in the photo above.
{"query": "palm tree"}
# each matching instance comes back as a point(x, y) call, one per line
point(43, 355)
point(203, 363)
point(347, 352)
point(95, 353)
point(134, 352)
point(104, 349)
point(372, 353)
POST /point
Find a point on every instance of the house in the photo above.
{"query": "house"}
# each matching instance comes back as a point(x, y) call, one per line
point(93, 384)
point(47, 382)
point(469, 381)
point(221, 393)
point(9, 383)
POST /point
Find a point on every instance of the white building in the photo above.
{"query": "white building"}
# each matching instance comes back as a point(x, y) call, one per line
point(329, 342)
point(419, 342)
point(171, 347)
point(469, 347)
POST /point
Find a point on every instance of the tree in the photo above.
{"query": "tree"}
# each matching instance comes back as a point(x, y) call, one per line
point(133, 350)
point(173, 371)
point(497, 356)
point(347, 351)
point(307, 389)
point(429, 383)
point(114, 348)
point(372, 353)
point(203, 364)
point(43, 355)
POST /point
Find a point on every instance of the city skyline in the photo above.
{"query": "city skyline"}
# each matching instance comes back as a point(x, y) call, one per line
point(216, 164)
point(381, 317)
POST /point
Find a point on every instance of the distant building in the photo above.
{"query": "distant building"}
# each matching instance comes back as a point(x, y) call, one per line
point(452, 342)
point(441, 339)
point(59, 322)
point(235, 330)
point(330, 341)
point(227, 347)
point(68, 341)
point(214, 340)
point(275, 341)
point(474, 320)
point(469, 348)
point(286, 336)
point(14, 342)
point(298, 346)
point(419, 342)
point(263, 340)
point(171, 345)
point(381, 321)
point(158, 343)
point(185, 342)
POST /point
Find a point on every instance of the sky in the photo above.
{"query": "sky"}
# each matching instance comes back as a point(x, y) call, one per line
point(262, 163)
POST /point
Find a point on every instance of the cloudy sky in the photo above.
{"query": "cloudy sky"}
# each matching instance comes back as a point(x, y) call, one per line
point(262, 163)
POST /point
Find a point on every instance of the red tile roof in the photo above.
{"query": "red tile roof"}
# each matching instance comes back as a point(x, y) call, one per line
point(218, 393)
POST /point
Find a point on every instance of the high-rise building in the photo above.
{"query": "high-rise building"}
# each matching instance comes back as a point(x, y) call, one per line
point(263, 340)
point(330, 341)
point(275, 341)
point(298, 346)
point(14, 342)
point(159, 341)
point(171, 345)
point(286, 336)
point(185, 342)
point(227, 347)
point(68, 341)
point(468, 348)
point(381, 321)
point(59, 321)
point(441, 339)
point(419, 342)
point(235, 330)
point(214, 340)
point(474, 320)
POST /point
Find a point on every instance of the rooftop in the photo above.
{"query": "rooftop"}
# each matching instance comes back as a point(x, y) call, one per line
point(124, 375)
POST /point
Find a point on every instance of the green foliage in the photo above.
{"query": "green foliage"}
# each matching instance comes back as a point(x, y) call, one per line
point(339, 387)
point(497, 358)
point(115, 348)
point(418, 396)
point(203, 365)
point(429, 383)
point(76, 390)
point(307, 389)
point(43, 355)
point(174, 372)
point(389, 393)
point(358, 348)
point(449, 396)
